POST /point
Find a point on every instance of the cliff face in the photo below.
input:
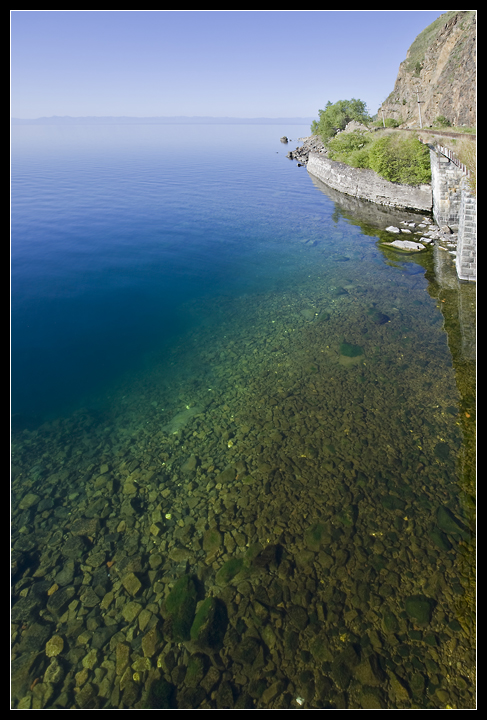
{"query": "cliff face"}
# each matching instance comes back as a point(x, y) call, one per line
point(440, 65)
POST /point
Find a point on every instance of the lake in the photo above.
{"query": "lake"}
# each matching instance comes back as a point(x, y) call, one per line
point(243, 432)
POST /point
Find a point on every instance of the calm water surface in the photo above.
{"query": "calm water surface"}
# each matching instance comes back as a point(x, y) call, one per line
point(242, 433)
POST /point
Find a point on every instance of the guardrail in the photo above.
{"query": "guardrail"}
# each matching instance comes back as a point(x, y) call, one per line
point(449, 154)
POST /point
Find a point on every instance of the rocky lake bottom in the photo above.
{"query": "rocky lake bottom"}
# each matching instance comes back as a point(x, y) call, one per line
point(277, 518)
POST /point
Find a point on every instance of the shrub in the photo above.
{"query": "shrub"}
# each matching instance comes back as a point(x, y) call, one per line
point(390, 122)
point(397, 158)
point(336, 116)
point(401, 160)
point(351, 148)
point(442, 121)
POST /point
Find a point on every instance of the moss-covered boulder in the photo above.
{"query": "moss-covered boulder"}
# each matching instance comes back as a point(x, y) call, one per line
point(228, 571)
point(181, 607)
point(210, 624)
point(343, 666)
point(440, 539)
point(317, 536)
point(450, 525)
point(349, 350)
point(196, 670)
point(419, 609)
point(320, 649)
point(378, 317)
point(348, 516)
point(392, 502)
point(389, 622)
point(212, 540)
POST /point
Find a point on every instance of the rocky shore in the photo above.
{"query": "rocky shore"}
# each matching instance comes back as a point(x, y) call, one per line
point(310, 144)
point(423, 233)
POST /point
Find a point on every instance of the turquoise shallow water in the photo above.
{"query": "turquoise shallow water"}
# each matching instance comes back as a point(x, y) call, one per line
point(220, 379)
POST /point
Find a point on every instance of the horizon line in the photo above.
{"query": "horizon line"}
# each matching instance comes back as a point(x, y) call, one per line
point(159, 117)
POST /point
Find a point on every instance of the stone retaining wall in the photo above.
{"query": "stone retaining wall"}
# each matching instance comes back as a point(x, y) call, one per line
point(366, 184)
point(445, 181)
point(454, 205)
point(466, 261)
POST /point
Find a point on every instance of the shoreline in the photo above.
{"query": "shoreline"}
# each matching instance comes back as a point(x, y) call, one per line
point(362, 183)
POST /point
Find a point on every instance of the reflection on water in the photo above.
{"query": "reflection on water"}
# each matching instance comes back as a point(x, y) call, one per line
point(278, 516)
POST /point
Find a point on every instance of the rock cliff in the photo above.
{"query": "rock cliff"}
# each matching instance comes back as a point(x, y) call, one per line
point(440, 67)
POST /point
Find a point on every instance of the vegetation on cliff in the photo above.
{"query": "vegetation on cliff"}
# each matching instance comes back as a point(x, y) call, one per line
point(395, 156)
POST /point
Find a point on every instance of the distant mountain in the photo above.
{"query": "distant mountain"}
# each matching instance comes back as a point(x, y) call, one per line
point(170, 120)
point(440, 70)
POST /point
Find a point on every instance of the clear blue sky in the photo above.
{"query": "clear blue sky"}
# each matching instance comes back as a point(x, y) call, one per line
point(271, 63)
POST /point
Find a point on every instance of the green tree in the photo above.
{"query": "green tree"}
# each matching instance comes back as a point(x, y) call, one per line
point(336, 116)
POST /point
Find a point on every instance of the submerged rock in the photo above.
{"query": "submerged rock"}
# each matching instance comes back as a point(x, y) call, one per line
point(181, 607)
point(210, 624)
point(419, 608)
point(407, 245)
point(349, 350)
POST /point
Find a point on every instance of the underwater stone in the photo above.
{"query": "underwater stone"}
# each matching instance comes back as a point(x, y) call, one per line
point(247, 651)
point(151, 642)
point(389, 622)
point(226, 475)
point(29, 501)
point(320, 650)
point(189, 465)
point(196, 670)
point(54, 646)
point(210, 624)
point(316, 536)
point(131, 584)
point(298, 616)
point(58, 603)
point(377, 316)
point(440, 539)
point(369, 672)
point(161, 695)
point(351, 350)
point(74, 547)
point(407, 245)
point(181, 606)
point(212, 540)
point(229, 570)
point(449, 524)
point(342, 667)
point(371, 699)
point(442, 451)
point(391, 502)
point(418, 608)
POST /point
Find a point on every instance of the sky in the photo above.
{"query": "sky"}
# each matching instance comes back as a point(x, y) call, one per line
point(270, 63)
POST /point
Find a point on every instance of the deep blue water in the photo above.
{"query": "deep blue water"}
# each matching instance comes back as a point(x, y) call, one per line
point(113, 227)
